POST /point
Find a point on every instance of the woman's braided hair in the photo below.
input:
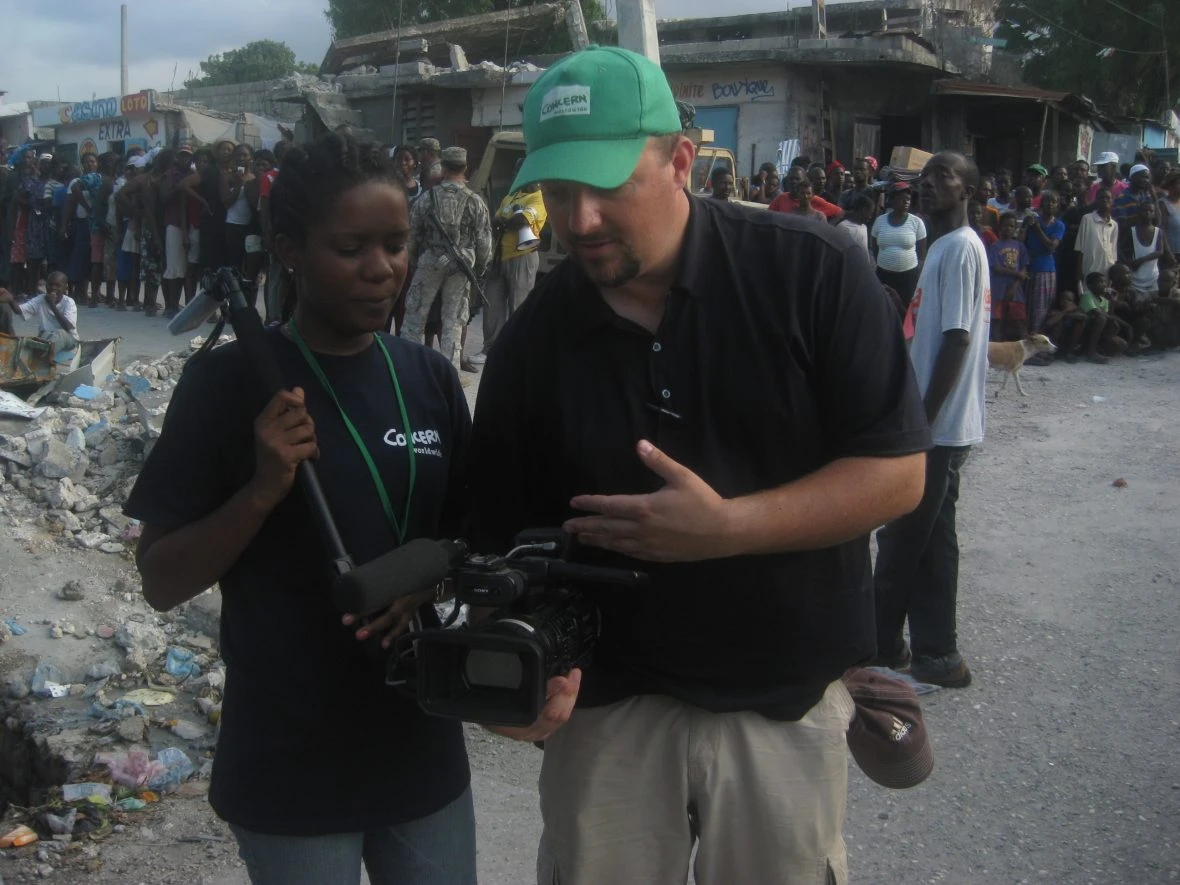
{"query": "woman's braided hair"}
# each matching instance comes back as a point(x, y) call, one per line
point(313, 175)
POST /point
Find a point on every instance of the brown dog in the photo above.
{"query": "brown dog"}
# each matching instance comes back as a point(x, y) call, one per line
point(1009, 356)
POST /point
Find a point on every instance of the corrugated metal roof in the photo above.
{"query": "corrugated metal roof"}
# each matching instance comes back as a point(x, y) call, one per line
point(997, 90)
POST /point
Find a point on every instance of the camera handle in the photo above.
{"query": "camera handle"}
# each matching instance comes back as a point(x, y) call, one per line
point(248, 329)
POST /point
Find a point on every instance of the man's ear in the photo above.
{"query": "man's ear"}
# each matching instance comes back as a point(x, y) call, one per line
point(682, 157)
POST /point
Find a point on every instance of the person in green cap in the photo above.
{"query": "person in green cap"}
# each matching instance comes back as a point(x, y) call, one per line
point(730, 426)
point(1034, 179)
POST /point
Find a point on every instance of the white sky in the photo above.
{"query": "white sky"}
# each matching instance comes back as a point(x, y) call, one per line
point(71, 47)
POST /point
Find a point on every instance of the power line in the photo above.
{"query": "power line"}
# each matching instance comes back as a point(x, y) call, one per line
point(1119, 6)
point(1061, 27)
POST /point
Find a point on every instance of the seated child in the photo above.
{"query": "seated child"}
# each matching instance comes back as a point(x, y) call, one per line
point(1101, 329)
point(1165, 334)
point(1169, 283)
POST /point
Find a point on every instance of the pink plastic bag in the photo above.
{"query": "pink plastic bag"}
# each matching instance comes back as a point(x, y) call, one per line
point(133, 768)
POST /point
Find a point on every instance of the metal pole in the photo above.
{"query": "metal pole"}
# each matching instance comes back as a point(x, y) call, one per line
point(123, 90)
point(1041, 143)
point(1167, 73)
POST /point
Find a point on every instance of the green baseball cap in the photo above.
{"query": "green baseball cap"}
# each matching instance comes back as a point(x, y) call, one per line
point(588, 118)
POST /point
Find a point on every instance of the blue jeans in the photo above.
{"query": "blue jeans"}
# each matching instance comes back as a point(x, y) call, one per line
point(917, 573)
point(438, 849)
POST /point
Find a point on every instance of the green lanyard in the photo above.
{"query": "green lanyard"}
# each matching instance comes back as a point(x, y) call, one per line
point(399, 529)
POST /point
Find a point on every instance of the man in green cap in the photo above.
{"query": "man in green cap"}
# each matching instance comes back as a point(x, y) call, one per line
point(732, 427)
point(1034, 179)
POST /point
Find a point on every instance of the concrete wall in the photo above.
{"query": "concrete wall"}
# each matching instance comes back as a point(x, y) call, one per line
point(241, 98)
point(451, 114)
point(16, 129)
point(486, 104)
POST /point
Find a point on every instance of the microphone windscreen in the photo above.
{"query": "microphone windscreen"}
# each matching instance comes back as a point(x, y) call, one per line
point(406, 570)
point(194, 314)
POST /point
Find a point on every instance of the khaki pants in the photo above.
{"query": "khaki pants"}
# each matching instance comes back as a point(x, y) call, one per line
point(429, 280)
point(506, 292)
point(627, 789)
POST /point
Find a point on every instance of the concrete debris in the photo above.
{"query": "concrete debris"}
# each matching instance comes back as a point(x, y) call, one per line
point(132, 729)
point(79, 588)
point(143, 643)
point(189, 731)
point(18, 687)
point(102, 670)
point(70, 469)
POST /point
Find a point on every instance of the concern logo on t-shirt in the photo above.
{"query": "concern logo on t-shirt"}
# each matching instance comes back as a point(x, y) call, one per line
point(566, 101)
point(426, 442)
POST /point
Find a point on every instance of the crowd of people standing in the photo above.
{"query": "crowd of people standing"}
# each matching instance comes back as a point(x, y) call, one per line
point(1083, 254)
point(126, 228)
point(131, 231)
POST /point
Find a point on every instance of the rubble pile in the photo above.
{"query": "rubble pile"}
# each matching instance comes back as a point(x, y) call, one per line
point(97, 731)
point(71, 468)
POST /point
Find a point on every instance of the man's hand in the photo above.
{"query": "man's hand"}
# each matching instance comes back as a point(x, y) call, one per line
point(393, 621)
point(560, 694)
point(684, 521)
point(6, 297)
point(284, 435)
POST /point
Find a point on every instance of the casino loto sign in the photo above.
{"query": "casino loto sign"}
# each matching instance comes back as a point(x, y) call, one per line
point(96, 109)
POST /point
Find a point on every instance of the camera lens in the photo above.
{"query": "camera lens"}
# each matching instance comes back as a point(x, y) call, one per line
point(493, 669)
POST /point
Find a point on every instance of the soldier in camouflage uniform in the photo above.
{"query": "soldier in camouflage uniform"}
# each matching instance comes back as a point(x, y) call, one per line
point(464, 217)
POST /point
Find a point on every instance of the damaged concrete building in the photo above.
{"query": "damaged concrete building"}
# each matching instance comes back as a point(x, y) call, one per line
point(857, 79)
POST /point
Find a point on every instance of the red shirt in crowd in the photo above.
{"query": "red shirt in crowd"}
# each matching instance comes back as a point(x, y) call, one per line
point(786, 203)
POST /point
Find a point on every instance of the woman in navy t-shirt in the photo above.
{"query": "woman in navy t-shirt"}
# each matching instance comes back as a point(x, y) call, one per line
point(320, 765)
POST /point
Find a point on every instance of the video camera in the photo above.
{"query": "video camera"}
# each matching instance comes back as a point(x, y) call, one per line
point(493, 671)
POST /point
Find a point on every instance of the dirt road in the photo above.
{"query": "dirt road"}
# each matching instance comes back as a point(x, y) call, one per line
point(1057, 765)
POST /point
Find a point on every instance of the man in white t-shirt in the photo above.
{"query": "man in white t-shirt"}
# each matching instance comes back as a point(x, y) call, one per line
point(917, 570)
point(56, 314)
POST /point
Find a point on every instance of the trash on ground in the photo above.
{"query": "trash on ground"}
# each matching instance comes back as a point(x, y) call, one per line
point(61, 824)
point(149, 697)
point(98, 794)
point(180, 663)
point(133, 768)
point(22, 835)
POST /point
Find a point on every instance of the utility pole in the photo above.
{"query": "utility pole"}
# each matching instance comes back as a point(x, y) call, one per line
point(123, 90)
point(1167, 74)
point(637, 28)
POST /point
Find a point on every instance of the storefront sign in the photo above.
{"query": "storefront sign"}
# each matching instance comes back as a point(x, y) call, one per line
point(96, 109)
point(139, 103)
point(738, 90)
point(83, 111)
point(743, 88)
point(115, 130)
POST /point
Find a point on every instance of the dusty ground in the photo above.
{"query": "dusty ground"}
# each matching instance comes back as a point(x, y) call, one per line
point(1058, 765)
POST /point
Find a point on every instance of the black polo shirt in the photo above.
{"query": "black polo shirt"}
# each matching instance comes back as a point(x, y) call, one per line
point(778, 353)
